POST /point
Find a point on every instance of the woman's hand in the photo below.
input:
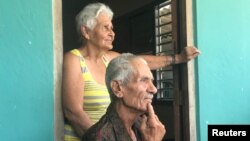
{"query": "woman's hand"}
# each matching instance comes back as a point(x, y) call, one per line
point(187, 54)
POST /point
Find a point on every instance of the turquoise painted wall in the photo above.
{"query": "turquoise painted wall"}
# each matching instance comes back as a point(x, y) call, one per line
point(223, 36)
point(26, 70)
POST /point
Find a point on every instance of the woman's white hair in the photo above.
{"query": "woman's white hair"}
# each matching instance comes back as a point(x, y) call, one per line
point(88, 16)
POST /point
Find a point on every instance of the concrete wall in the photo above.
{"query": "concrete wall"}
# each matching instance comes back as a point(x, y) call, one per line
point(222, 35)
point(27, 67)
point(26, 71)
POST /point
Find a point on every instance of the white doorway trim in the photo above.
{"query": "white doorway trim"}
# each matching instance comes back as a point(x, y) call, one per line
point(58, 60)
point(191, 73)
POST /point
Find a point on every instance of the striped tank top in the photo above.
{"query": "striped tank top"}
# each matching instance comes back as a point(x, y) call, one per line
point(96, 97)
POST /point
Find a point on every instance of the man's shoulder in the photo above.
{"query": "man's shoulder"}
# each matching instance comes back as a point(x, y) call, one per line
point(101, 131)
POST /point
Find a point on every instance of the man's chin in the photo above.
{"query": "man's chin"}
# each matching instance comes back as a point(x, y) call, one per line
point(149, 100)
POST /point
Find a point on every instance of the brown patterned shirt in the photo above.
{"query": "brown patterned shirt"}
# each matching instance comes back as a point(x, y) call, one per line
point(110, 128)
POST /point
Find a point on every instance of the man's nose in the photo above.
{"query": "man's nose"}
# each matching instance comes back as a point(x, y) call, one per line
point(152, 88)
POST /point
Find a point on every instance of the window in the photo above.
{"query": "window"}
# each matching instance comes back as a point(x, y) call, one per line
point(164, 45)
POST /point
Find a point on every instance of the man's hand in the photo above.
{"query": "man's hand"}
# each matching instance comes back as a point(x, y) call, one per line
point(187, 54)
point(151, 128)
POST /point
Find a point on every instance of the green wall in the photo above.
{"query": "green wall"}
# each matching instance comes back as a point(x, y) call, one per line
point(222, 30)
point(26, 71)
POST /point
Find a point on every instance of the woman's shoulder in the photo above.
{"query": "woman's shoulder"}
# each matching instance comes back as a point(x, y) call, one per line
point(72, 56)
point(112, 54)
point(74, 53)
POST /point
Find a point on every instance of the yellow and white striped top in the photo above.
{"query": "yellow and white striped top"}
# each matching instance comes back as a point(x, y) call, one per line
point(96, 97)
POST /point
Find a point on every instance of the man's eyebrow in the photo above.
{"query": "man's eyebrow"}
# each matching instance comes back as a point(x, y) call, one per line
point(147, 78)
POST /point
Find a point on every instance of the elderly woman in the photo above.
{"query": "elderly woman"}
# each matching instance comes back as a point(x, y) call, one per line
point(85, 96)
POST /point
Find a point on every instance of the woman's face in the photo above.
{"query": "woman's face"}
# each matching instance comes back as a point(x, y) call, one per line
point(102, 36)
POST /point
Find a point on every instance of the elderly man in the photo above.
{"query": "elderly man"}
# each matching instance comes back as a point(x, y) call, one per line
point(130, 116)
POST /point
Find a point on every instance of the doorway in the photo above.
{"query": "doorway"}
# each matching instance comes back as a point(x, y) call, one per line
point(128, 16)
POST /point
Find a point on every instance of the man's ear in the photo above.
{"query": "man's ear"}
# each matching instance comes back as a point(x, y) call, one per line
point(116, 88)
point(85, 32)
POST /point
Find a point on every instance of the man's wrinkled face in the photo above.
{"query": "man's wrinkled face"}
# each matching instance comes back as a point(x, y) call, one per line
point(140, 89)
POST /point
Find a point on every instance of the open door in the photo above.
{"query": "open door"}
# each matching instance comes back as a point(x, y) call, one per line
point(172, 97)
point(158, 27)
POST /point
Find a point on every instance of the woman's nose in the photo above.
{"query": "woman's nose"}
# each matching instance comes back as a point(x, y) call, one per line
point(112, 32)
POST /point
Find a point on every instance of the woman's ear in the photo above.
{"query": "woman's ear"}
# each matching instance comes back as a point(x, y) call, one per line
point(116, 88)
point(85, 32)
